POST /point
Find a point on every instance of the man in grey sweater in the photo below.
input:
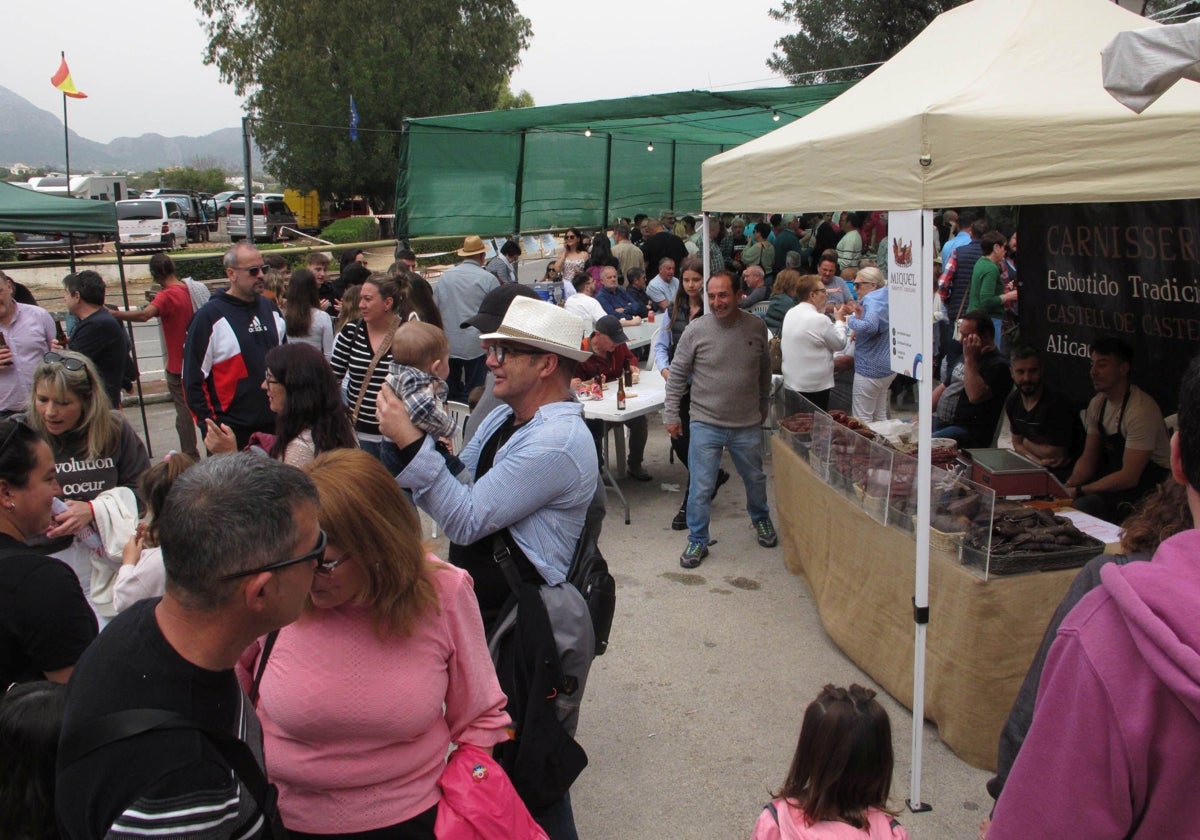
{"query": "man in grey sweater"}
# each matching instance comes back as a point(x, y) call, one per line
point(722, 356)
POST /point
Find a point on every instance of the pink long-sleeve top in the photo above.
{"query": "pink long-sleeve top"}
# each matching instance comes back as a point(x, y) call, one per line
point(354, 731)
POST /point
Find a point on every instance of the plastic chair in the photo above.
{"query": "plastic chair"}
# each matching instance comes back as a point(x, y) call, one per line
point(760, 308)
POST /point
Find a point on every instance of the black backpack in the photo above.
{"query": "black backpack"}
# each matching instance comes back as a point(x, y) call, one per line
point(589, 571)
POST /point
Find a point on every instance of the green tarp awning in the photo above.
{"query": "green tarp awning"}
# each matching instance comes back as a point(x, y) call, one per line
point(502, 172)
point(29, 211)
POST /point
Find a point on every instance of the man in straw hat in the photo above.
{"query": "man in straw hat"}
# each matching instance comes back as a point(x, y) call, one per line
point(535, 472)
point(458, 294)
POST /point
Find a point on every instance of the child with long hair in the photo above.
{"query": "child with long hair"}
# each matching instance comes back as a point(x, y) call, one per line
point(30, 720)
point(142, 574)
point(841, 775)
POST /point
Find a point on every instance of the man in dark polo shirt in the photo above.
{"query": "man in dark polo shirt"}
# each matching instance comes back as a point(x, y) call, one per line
point(1045, 428)
point(97, 335)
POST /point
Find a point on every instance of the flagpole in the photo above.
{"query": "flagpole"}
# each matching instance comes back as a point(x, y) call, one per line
point(67, 154)
point(66, 136)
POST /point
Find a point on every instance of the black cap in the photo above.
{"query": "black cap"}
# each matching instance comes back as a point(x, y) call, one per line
point(611, 327)
point(494, 305)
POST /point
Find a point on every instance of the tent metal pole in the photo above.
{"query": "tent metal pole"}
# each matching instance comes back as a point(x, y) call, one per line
point(137, 380)
point(607, 181)
point(519, 187)
point(671, 197)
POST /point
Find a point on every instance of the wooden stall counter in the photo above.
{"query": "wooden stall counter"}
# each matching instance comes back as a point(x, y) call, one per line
point(981, 635)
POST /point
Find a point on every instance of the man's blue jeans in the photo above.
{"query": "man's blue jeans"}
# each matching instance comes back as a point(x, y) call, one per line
point(704, 460)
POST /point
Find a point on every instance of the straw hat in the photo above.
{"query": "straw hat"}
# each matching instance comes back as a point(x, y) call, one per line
point(472, 245)
point(542, 325)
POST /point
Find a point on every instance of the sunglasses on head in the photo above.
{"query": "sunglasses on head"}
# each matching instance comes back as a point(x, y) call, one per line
point(69, 362)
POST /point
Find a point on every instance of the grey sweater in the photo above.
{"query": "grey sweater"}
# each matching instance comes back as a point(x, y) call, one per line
point(728, 369)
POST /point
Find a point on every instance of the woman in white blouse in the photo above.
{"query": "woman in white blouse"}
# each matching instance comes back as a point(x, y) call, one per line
point(809, 340)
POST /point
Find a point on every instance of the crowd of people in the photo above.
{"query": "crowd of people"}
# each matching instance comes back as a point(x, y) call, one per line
point(218, 617)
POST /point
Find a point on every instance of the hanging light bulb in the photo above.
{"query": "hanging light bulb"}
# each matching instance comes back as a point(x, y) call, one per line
point(775, 116)
point(650, 146)
point(587, 132)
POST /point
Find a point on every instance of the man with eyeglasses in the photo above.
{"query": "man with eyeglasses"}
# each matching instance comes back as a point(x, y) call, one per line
point(225, 354)
point(535, 473)
point(158, 737)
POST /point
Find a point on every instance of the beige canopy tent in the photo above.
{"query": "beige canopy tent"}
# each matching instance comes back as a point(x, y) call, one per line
point(996, 102)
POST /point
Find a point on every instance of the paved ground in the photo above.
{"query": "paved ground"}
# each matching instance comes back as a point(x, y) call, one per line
point(693, 714)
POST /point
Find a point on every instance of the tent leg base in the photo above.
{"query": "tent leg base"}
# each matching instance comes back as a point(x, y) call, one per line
point(919, 808)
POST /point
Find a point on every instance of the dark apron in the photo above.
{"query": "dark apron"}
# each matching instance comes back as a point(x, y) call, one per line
point(1112, 457)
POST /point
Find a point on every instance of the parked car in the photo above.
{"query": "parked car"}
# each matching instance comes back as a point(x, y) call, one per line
point(54, 244)
point(152, 221)
point(222, 199)
point(273, 221)
point(193, 212)
point(347, 207)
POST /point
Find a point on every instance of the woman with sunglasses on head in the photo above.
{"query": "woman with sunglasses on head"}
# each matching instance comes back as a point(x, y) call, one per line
point(362, 696)
point(99, 460)
point(45, 620)
point(571, 261)
point(310, 416)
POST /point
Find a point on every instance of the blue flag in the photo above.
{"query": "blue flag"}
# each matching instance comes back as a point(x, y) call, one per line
point(353, 119)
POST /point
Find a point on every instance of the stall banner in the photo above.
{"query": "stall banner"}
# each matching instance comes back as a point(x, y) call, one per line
point(1128, 270)
point(910, 285)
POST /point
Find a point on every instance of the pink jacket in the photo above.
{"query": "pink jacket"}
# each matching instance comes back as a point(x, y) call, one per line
point(1112, 751)
point(790, 826)
point(353, 726)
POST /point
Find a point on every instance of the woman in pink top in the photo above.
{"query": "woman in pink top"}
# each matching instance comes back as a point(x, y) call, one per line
point(363, 695)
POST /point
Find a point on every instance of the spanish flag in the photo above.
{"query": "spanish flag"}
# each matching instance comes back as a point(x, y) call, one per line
point(62, 80)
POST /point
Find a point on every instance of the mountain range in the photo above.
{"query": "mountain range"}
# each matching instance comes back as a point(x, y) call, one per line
point(34, 137)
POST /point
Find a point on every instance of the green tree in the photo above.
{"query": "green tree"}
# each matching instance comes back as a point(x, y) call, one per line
point(847, 33)
point(507, 100)
point(302, 60)
point(209, 180)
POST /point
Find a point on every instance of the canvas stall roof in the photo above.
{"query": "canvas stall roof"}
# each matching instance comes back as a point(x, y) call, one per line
point(26, 210)
point(500, 172)
point(995, 102)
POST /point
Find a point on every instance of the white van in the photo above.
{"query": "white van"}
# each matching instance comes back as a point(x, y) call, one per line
point(273, 221)
point(151, 221)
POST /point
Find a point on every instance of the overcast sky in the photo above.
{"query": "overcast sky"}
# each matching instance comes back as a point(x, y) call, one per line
point(140, 61)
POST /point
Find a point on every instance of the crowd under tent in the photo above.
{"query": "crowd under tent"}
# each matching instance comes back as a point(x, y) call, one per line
point(996, 102)
point(531, 169)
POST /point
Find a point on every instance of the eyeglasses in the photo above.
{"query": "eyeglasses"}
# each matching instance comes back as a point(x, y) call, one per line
point(68, 362)
point(326, 567)
point(252, 270)
point(570, 236)
point(318, 554)
point(500, 351)
point(271, 380)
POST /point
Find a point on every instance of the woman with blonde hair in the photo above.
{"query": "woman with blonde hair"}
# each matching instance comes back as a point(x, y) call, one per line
point(99, 459)
point(362, 696)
